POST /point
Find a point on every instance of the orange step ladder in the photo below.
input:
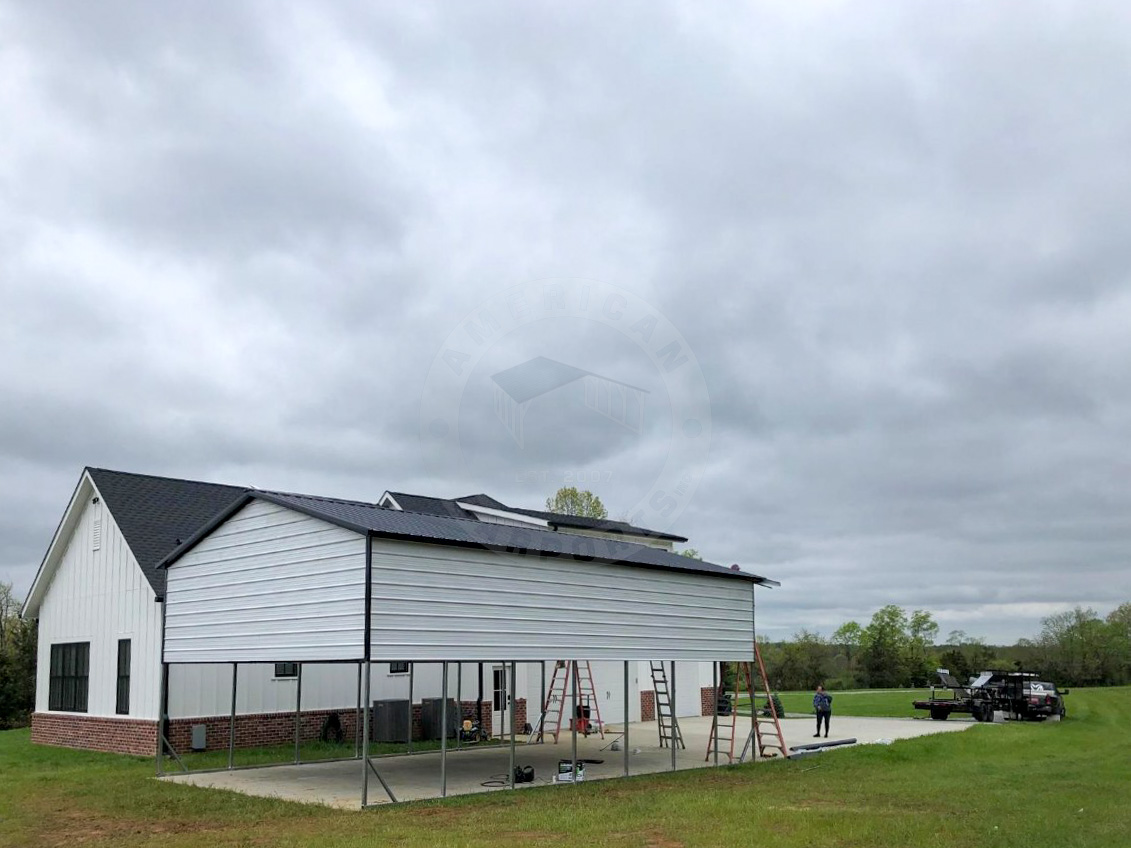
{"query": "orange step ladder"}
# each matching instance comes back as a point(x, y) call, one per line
point(766, 730)
point(589, 710)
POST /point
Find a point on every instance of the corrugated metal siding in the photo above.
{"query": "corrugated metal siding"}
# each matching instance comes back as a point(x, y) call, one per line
point(269, 584)
point(101, 596)
point(432, 603)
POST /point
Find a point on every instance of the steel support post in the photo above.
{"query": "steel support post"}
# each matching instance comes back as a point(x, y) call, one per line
point(459, 705)
point(163, 718)
point(624, 741)
point(514, 716)
point(715, 712)
point(232, 719)
point(573, 718)
point(298, 713)
point(365, 739)
point(411, 691)
point(444, 736)
point(541, 703)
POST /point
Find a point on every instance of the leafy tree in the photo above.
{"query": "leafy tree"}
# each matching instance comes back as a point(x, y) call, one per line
point(848, 637)
point(884, 647)
point(1120, 619)
point(922, 632)
point(1080, 648)
point(569, 500)
point(17, 661)
point(802, 663)
point(690, 553)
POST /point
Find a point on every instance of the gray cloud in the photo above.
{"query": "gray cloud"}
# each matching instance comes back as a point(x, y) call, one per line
point(233, 241)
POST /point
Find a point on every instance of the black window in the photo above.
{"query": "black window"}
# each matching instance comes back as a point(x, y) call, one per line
point(286, 669)
point(398, 668)
point(123, 700)
point(70, 669)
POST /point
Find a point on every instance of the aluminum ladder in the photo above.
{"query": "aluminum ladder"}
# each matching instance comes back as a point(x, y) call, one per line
point(665, 716)
point(581, 674)
point(724, 728)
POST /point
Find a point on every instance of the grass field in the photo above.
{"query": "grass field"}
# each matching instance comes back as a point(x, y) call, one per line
point(864, 702)
point(1064, 784)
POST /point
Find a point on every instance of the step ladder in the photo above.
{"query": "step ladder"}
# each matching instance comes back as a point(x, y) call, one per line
point(665, 716)
point(581, 675)
point(766, 730)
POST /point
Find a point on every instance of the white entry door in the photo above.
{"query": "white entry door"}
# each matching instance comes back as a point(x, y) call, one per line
point(500, 709)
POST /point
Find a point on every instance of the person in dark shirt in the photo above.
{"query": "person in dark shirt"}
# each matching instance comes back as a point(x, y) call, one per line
point(823, 705)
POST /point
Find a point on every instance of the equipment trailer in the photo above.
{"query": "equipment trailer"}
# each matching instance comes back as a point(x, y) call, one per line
point(1007, 692)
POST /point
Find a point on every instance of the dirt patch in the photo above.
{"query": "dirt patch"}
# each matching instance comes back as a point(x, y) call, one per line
point(659, 839)
point(70, 827)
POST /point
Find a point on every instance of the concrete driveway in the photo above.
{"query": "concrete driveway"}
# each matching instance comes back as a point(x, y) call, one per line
point(472, 770)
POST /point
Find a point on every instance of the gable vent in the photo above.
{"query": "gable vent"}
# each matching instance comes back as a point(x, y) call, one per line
point(96, 535)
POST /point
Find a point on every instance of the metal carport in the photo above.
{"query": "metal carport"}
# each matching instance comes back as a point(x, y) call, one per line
point(286, 577)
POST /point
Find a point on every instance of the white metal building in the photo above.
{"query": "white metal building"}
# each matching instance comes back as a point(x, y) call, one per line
point(316, 580)
point(557, 586)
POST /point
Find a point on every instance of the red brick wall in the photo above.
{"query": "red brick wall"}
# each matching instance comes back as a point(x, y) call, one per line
point(132, 736)
point(257, 729)
point(707, 700)
point(647, 705)
point(95, 733)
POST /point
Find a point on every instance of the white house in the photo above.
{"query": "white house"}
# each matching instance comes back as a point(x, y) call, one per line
point(106, 626)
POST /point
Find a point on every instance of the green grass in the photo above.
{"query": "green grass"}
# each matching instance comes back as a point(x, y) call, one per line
point(863, 702)
point(1064, 784)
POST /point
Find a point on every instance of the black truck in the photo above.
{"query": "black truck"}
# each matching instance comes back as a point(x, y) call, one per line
point(1017, 695)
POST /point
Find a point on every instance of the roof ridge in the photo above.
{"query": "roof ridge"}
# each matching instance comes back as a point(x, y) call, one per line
point(369, 504)
point(89, 468)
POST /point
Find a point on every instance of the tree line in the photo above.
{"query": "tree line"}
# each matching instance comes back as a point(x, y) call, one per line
point(897, 648)
point(17, 662)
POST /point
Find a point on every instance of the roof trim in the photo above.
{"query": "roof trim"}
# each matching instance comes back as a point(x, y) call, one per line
point(388, 496)
point(36, 590)
point(503, 513)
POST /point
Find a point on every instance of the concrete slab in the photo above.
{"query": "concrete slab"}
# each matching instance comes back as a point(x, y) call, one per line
point(470, 770)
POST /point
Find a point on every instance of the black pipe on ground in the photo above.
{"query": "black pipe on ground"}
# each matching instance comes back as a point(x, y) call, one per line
point(818, 746)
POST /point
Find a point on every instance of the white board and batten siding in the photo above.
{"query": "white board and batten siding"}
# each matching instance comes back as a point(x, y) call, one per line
point(99, 595)
point(446, 603)
point(268, 585)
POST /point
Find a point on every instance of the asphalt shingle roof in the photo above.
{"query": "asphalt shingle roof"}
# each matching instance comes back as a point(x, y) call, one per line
point(154, 513)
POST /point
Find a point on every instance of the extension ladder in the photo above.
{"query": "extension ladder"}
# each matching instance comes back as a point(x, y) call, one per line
point(665, 715)
point(581, 675)
point(766, 731)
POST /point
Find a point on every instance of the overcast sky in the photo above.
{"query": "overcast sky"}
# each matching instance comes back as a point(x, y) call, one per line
point(288, 246)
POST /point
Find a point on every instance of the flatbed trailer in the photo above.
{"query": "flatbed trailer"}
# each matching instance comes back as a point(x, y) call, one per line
point(991, 692)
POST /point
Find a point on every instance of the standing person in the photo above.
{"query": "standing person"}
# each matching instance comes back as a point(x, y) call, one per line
point(823, 704)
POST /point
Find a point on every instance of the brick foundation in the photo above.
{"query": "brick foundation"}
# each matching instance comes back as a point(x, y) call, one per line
point(95, 733)
point(253, 730)
point(647, 705)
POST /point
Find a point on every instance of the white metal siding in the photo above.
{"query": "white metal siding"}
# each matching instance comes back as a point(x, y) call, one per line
point(101, 596)
point(270, 584)
point(434, 603)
